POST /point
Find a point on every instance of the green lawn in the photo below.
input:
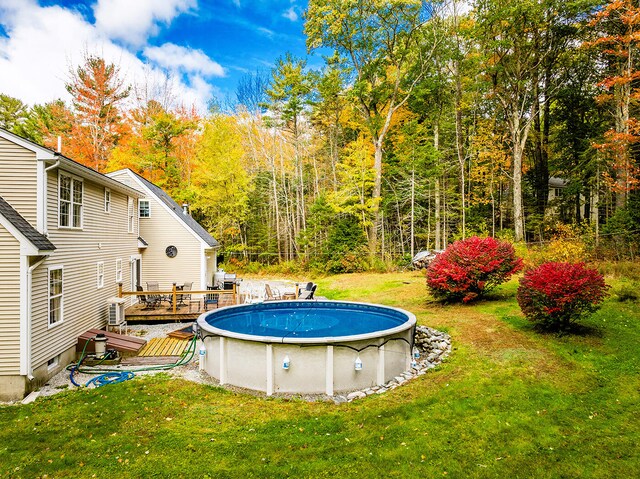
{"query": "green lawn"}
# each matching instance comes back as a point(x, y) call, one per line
point(508, 403)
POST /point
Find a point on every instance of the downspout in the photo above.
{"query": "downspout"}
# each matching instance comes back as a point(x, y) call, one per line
point(29, 304)
point(45, 227)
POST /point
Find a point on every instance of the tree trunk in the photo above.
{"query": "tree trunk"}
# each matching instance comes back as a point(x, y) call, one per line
point(459, 150)
point(413, 203)
point(436, 146)
point(518, 213)
point(377, 190)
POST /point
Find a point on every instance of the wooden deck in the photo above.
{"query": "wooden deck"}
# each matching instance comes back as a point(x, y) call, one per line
point(164, 347)
point(164, 313)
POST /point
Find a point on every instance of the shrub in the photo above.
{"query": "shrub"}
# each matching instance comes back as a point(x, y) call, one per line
point(555, 295)
point(627, 292)
point(469, 268)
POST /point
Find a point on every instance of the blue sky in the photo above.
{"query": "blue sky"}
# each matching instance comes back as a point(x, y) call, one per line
point(205, 46)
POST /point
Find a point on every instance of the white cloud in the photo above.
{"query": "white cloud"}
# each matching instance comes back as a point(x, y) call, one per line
point(42, 43)
point(291, 14)
point(174, 57)
point(265, 31)
point(133, 21)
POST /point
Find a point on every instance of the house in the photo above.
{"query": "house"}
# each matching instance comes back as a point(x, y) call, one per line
point(68, 236)
point(175, 248)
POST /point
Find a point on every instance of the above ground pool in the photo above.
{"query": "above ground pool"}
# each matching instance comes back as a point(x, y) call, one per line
point(306, 346)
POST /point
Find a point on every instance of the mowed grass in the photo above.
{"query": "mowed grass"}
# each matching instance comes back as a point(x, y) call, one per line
point(509, 402)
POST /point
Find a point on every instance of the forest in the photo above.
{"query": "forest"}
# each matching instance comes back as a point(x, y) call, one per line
point(428, 122)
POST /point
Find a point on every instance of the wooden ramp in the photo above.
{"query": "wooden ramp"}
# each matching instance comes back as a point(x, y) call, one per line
point(164, 347)
point(125, 345)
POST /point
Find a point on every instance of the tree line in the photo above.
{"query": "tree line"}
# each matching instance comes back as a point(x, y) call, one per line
point(427, 123)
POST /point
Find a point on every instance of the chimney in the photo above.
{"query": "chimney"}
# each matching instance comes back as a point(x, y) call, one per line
point(185, 208)
point(59, 150)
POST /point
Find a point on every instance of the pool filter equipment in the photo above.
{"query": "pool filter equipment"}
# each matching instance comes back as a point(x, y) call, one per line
point(101, 344)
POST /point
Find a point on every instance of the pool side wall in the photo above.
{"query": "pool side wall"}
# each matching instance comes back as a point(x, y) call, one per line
point(314, 369)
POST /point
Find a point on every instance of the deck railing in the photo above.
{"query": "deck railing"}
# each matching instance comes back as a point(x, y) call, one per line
point(175, 292)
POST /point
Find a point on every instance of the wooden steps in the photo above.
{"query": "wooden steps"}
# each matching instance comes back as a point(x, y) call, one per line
point(164, 347)
point(125, 345)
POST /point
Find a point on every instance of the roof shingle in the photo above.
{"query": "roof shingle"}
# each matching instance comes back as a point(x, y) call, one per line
point(39, 240)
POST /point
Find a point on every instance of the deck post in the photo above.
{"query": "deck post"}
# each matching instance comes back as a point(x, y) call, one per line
point(235, 298)
point(174, 298)
point(119, 290)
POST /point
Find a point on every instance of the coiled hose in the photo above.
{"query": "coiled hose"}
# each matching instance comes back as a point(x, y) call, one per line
point(114, 376)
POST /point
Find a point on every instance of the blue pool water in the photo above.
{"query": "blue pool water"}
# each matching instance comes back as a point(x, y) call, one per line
point(306, 319)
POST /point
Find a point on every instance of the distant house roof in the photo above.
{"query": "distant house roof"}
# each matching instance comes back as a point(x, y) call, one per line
point(555, 182)
point(174, 207)
point(40, 241)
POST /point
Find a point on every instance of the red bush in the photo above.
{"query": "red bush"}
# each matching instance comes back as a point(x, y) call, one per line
point(557, 294)
point(471, 267)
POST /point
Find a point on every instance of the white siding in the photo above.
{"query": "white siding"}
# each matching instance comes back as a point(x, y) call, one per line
point(18, 179)
point(9, 304)
point(104, 237)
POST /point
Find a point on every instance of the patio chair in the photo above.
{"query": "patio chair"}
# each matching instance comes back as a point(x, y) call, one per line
point(308, 294)
point(150, 301)
point(307, 288)
point(271, 294)
point(154, 286)
point(181, 298)
point(211, 299)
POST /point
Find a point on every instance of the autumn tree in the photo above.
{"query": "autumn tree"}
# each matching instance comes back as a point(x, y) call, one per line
point(288, 99)
point(98, 92)
point(220, 184)
point(386, 48)
point(618, 30)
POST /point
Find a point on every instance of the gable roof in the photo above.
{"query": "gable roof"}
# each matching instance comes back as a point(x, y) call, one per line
point(67, 164)
point(174, 207)
point(37, 239)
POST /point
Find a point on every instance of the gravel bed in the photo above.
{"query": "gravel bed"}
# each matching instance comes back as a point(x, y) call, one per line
point(434, 346)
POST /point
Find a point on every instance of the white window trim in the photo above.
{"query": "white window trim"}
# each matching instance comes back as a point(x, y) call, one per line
point(55, 362)
point(131, 215)
point(61, 320)
point(107, 203)
point(148, 207)
point(100, 274)
point(118, 270)
point(73, 178)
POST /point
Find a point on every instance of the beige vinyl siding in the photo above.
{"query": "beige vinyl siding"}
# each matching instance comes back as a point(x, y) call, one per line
point(103, 237)
point(9, 304)
point(160, 230)
point(163, 229)
point(18, 179)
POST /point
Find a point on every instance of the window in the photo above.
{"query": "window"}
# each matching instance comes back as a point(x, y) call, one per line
point(130, 216)
point(100, 274)
point(107, 200)
point(118, 270)
point(144, 208)
point(70, 191)
point(56, 291)
point(53, 362)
